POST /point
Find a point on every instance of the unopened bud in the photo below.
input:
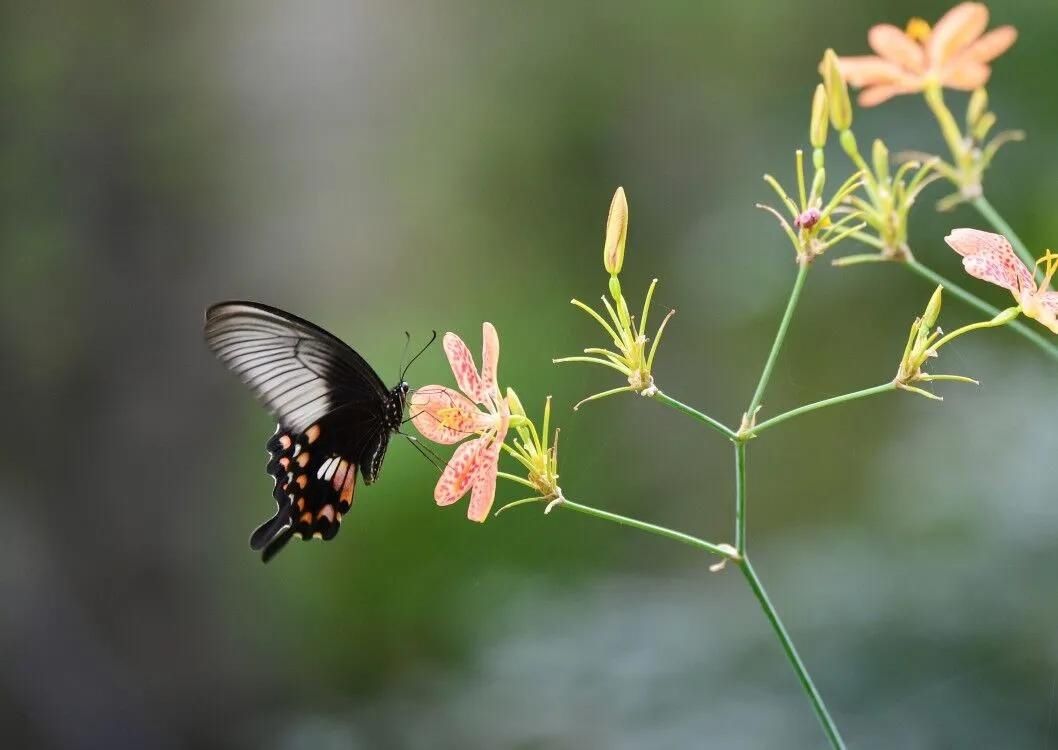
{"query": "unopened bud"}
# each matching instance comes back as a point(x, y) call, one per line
point(978, 106)
point(837, 93)
point(613, 253)
point(880, 157)
point(929, 318)
point(817, 131)
point(514, 403)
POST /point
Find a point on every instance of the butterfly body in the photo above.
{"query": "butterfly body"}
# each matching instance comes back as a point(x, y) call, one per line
point(335, 415)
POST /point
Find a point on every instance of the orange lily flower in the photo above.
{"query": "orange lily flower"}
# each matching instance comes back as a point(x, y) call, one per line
point(953, 54)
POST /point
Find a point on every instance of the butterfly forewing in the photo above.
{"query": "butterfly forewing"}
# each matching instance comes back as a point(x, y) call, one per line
point(335, 415)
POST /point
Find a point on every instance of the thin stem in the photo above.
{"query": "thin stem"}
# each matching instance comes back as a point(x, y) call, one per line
point(740, 497)
point(989, 212)
point(791, 305)
point(834, 401)
point(993, 323)
point(791, 653)
point(975, 301)
point(679, 406)
point(650, 528)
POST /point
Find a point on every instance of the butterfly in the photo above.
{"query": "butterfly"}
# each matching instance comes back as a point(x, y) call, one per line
point(335, 415)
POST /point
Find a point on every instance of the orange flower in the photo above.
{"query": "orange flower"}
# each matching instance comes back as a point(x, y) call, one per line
point(953, 54)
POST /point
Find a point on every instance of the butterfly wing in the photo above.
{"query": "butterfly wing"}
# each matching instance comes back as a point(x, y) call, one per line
point(331, 410)
point(299, 371)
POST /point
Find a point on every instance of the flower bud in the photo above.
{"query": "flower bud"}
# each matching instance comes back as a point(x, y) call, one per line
point(817, 131)
point(837, 93)
point(514, 404)
point(929, 318)
point(613, 253)
point(880, 157)
point(978, 106)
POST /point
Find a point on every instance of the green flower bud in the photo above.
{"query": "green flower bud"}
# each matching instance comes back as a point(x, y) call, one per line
point(613, 252)
point(976, 108)
point(837, 93)
point(880, 157)
point(929, 318)
point(817, 131)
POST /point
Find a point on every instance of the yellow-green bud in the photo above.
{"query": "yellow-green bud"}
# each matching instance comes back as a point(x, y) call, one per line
point(837, 93)
point(817, 131)
point(984, 123)
point(514, 403)
point(613, 252)
point(929, 318)
point(880, 157)
point(848, 142)
point(978, 106)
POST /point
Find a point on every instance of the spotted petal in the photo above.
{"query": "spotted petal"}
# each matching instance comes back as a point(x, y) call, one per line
point(444, 415)
point(461, 472)
point(463, 368)
point(490, 358)
point(484, 493)
point(1048, 310)
point(990, 257)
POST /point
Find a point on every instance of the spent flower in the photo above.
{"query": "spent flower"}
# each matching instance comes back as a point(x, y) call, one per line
point(925, 339)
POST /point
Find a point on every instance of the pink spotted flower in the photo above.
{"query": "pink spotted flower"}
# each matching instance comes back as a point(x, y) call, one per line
point(446, 416)
point(990, 257)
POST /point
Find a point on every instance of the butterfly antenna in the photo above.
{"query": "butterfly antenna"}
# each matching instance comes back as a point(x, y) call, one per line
point(436, 461)
point(422, 351)
point(403, 354)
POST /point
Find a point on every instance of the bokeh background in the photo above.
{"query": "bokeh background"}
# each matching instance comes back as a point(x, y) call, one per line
point(382, 167)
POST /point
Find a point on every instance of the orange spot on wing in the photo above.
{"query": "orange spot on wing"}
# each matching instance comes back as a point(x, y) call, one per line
point(312, 433)
point(303, 459)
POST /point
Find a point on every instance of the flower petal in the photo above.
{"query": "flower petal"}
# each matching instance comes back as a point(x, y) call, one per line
point(992, 45)
point(484, 493)
point(490, 358)
point(959, 27)
point(868, 70)
point(965, 74)
point(1048, 310)
point(990, 257)
point(875, 95)
point(894, 45)
point(463, 367)
point(460, 473)
point(444, 415)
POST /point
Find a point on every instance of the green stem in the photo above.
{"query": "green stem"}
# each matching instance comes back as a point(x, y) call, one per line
point(692, 412)
point(988, 211)
point(650, 528)
point(784, 326)
point(974, 301)
point(791, 653)
point(821, 405)
point(740, 497)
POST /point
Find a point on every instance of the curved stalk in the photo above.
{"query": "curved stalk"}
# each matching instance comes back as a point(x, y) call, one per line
point(833, 401)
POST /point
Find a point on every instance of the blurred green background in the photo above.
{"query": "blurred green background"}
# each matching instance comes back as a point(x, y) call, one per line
point(384, 167)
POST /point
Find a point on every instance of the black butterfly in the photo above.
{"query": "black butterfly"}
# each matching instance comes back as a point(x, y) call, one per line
point(335, 414)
